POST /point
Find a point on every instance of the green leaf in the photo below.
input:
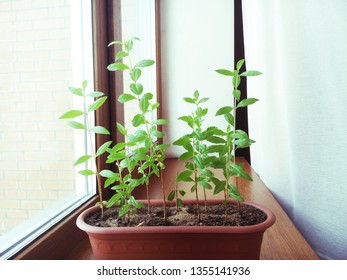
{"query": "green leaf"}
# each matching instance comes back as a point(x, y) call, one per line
point(237, 94)
point(236, 81)
point(182, 192)
point(121, 129)
point(186, 155)
point(121, 54)
point(95, 94)
point(138, 120)
point(100, 130)
point(203, 100)
point(239, 171)
point(251, 73)
point(76, 125)
point(136, 88)
point(229, 118)
point(246, 102)
point(82, 159)
point(220, 186)
point(84, 84)
point(109, 174)
point(171, 195)
point(125, 97)
point(205, 185)
point(125, 209)
point(216, 140)
point(158, 134)
point(97, 104)
point(234, 193)
point(224, 110)
point(188, 119)
point(189, 100)
point(135, 74)
point(239, 64)
point(184, 176)
point(117, 67)
point(144, 63)
point(76, 91)
point(71, 114)
point(179, 201)
point(225, 72)
point(102, 149)
point(161, 122)
point(86, 172)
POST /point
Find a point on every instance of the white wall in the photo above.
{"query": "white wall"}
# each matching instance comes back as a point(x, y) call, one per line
point(197, 38)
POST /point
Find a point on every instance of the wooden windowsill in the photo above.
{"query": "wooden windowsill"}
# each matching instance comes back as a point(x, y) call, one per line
point(281, 242)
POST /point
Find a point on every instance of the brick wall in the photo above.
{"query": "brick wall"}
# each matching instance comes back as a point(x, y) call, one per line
point(36, 149)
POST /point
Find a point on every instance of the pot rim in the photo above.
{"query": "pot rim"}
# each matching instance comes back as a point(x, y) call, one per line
point(176, 229)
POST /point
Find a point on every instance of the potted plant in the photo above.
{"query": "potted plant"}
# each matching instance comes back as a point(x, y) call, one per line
point(141, 156)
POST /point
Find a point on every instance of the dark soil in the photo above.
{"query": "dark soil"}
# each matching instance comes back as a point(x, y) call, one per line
point(186, 216)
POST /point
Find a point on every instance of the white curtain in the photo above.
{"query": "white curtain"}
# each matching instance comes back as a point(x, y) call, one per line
point(300, 123)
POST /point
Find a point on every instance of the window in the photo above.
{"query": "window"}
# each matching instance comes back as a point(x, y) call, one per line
point(46, 46)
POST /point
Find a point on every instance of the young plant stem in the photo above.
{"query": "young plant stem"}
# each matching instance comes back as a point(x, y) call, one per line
point(93, 154)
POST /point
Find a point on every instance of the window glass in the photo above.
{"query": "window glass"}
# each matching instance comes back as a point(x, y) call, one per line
point(45, 48)
point(138, 20)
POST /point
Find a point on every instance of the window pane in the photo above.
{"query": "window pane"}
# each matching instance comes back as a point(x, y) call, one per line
point(138, 20)
point(45, 47)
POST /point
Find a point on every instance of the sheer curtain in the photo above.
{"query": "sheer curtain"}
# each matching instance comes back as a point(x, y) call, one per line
point(300, 123)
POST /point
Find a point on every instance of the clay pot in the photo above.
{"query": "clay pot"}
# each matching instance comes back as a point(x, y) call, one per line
point(176, 242)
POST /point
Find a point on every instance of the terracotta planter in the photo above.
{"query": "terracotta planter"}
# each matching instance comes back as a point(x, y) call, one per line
point(176, 242)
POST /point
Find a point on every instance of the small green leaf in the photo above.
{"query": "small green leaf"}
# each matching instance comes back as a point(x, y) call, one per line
point(237, 94)
point(84, 84)
point(82, 159)
point(216, 140)
point(102, 149)
point(220, 186)
point(95, 94)
point(138, 120)
point(179, 202)
point(251, 73)
point(76, 91)
point(224, 110)
point(86, 172)
point(171, 195)
point(144, 63)
point(186, 155)
point(229, 118)
point(121, 129)
point(71, 114)
point(100, 130)
point(189, 100)
point(125, 97)
point(184, 176)
point(117, 66)
point(135, 74)
point(203, 100)
point(225, 72)
point(125, 209)
point(239, 64)
point(205, 185)
point(97, 104)
point(239, 171)
point(182, 192)
point(109, 174)
point(121, 54)
point(136, 88)
point(161, 122)
point(76, 125)
point(246, 102)
point(236, 81)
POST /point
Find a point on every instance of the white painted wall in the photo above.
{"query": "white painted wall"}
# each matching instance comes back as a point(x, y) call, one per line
point(197, 38)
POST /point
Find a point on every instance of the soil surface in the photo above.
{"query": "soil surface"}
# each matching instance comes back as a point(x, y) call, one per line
point(185, 216)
